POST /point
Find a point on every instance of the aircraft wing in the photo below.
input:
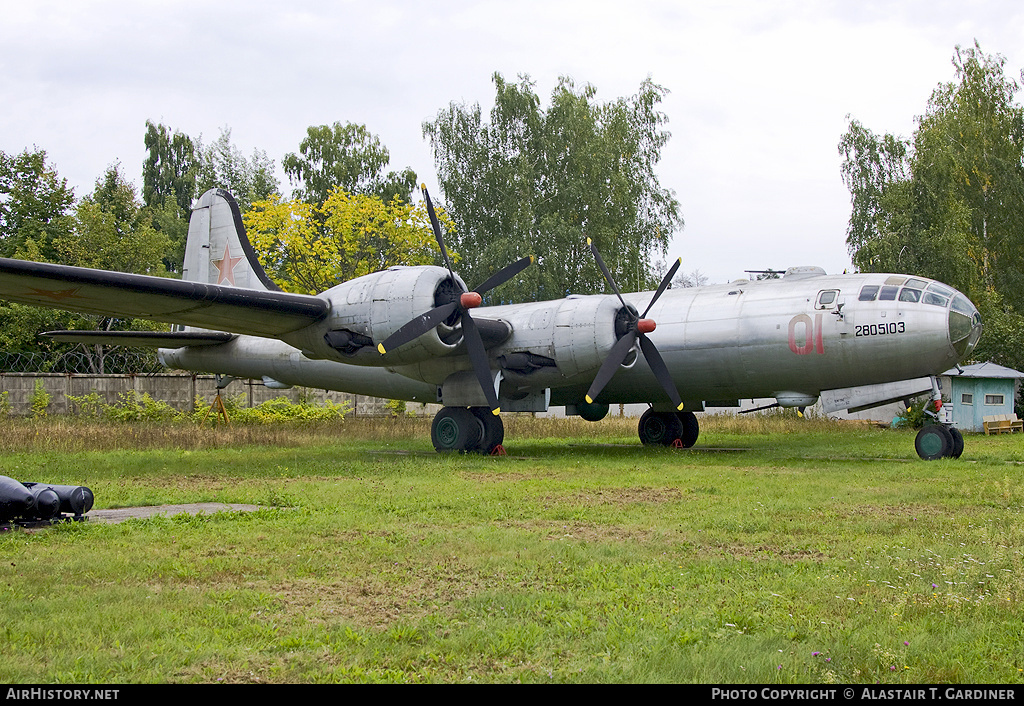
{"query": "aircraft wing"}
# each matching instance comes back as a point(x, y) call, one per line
point(204, 305)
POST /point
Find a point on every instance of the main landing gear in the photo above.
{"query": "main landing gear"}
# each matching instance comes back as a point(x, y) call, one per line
point(668, 428)
point(936, 441)
point(467, 429)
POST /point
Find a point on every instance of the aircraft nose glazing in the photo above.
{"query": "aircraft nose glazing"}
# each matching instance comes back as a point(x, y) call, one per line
point(964, 326)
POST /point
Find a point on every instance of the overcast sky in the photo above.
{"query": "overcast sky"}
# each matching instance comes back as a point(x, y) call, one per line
point(759, 90)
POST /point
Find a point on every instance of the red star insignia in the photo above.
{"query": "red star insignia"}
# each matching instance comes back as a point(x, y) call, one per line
point(57, 295)
point(226, 267)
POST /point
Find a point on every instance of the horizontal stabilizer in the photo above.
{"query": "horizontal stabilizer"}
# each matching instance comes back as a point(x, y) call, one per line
point(142, 339)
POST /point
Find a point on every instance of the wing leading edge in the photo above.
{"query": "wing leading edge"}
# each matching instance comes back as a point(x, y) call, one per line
point(200, 304)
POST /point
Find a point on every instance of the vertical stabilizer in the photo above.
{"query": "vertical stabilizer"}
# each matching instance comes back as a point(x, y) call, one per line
point(217, 250)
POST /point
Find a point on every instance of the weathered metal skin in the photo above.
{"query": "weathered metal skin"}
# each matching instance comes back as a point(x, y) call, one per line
point(375, 306)
point(863, 339)
point(742, 340)
point(758, 339)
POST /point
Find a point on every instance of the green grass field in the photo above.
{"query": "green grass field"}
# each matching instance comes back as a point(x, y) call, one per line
point(777, 550)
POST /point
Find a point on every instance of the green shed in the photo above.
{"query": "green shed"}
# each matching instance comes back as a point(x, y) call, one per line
point(978, 391)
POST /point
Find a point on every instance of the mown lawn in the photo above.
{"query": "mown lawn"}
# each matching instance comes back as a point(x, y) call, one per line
point(777, 550)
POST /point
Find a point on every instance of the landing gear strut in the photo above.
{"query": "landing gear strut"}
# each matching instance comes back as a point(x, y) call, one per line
point(937, 440)
point(666, 428)
point(467, 429)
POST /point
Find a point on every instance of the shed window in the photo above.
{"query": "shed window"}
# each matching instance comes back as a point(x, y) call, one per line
point(967, 398)
point(993, 399)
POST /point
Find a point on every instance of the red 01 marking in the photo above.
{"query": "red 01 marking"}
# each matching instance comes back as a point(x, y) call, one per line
point(809, 338)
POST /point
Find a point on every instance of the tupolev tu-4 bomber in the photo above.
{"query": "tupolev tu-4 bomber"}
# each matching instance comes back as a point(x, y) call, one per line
point(421, 334)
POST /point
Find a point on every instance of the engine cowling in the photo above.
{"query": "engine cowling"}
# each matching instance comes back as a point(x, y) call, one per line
point(368, 309)
point(576, 333)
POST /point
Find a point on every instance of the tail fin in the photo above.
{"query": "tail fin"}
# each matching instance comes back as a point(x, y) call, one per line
point(217, 250)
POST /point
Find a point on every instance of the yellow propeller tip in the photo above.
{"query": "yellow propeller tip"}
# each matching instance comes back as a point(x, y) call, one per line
point(589, 241)
point(680, 407)
point(380, 347)
point(496, 411)
point(589, 399)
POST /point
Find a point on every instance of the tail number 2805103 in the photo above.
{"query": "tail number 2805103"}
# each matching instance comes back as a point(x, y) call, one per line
point(883, 329)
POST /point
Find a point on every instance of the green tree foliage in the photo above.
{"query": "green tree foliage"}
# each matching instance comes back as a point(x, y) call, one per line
point(949, 202)
point(179, 169)
point(222, 165)
point(307, 248)
point(346, 156)
point(535, 181)
point(110, 230)
point(169, 186)
point(169, 171)
point(35, 203)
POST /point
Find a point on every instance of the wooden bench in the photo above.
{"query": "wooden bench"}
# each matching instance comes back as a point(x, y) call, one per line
point(1002, 423)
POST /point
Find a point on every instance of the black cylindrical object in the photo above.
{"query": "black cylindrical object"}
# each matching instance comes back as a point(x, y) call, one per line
point(74, 499)
point(45, 503)
point(15, 499)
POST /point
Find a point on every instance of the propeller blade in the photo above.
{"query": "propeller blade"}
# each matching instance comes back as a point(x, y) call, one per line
point(478, 357)
point(665, 282)
point(607, 274)
point(504, 275)
point(660, 370)
point(610, 365)
point(417, 327)
point(437, 229)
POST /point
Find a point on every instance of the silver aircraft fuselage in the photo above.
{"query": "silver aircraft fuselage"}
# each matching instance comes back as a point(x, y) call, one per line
point(790, 339)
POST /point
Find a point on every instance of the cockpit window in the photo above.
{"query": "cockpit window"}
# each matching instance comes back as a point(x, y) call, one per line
point(868, 293)
point(888, 294)
point(961, 304)
point(916, 283)
point(910, 295)
point(940, 289)
point(934, 299)
point(896, 280)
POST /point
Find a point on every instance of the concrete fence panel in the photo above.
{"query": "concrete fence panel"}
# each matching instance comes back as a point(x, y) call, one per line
point(181, 391)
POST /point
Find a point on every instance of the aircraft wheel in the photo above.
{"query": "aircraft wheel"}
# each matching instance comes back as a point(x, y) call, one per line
point(933, 442)
point(659, 428)
point(691, 428)
point(958, 442)
point(493, 432)
point(455, 429)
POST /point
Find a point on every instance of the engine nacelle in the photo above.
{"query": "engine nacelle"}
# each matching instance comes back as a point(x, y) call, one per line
point(368, 309)
point(577, 333)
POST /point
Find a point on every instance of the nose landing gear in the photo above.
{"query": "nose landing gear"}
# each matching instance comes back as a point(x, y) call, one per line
point(938, 440)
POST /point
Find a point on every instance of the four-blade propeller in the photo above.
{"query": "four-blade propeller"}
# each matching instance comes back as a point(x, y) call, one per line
point(457, 308)
point(637, 329)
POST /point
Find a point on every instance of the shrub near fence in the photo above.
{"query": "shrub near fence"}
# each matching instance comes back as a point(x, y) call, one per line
point(180, 391)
